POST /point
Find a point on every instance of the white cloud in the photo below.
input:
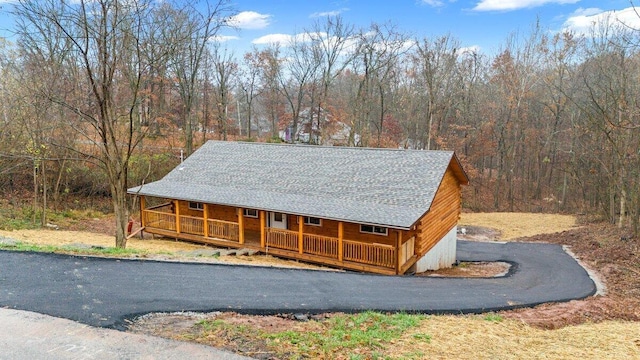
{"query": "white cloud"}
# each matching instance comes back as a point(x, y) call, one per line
point(469, 50)
point(328, 13)
point(286, 39)
point(223, 38)
point(250, 20)
point(434, 3)
point(584, 20)
point(273, 39)
point(508, 5)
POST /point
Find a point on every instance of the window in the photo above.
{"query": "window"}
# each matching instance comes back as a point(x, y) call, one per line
point(308, 220)
point(196, 205)
point(252, 213)
point(377, 230)
point(277, 217)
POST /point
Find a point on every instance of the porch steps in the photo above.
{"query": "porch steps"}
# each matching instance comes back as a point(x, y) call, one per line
point(220, 252)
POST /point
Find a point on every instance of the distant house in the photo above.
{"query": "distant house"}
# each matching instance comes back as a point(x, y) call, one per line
point(385, 211)
point(325, 131)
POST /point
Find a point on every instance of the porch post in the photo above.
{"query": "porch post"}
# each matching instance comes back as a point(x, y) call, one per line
point(206, 220)
point(262, 225)
point(142, 206)
point(300, 234)
point(241, 225)
point(340, 236)
point(398, 254)
point(176, 205)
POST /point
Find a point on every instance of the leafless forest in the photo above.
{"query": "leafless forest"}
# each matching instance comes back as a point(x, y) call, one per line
point(102, 95)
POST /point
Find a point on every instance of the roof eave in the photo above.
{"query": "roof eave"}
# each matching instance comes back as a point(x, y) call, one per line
point(390, 226)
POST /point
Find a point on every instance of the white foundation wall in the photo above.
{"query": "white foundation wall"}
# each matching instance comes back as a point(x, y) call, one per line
point(443, 255)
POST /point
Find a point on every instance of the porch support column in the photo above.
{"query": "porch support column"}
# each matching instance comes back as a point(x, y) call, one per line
point(340, 237)
point(398, 254)
point(241, 226)
point(300, 234)
point(262, 225)
point(176, 205)
point(143, 204)
point(205, 225)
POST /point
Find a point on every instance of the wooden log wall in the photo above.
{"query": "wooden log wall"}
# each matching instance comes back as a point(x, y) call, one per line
point(441, 218)
point(351, 231)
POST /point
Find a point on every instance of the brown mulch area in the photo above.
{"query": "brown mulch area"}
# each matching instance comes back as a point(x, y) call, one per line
point(614, 257)
point(479, 269)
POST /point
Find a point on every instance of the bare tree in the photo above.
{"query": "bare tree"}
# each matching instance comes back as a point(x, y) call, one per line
point(379, 52)
point(104, 89)
point(301, 71)
point(249, 84)
point(336, 43)
point(225, 69)
point(269, 63)
point(191, 32)
point(436, 63)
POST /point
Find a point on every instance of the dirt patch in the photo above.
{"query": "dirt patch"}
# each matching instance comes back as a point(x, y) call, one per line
point(477, 233)
point(477, 269)
point(242, 334)
point(511, 226)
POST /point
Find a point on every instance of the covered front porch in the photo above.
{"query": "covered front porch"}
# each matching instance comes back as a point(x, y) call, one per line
point(167, 220)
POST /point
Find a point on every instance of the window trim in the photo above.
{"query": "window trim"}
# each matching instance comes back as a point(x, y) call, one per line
point(308, 218)
point(198, 206)
point(245, 213)
point(373, 230)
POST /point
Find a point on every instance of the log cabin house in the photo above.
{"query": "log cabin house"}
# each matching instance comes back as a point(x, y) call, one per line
point(386, 211)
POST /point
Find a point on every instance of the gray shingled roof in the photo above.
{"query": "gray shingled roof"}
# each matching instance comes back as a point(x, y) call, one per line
point(388, 187)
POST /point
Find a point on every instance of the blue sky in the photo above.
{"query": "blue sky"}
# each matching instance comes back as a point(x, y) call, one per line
point(484, 24)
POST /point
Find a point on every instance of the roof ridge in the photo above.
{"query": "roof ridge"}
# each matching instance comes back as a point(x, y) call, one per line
point(302, 145)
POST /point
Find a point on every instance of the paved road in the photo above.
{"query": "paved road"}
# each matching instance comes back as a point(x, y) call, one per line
point(105, 292)
point(27, 335)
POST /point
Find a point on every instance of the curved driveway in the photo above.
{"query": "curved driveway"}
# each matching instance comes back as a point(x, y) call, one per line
point(104, 292)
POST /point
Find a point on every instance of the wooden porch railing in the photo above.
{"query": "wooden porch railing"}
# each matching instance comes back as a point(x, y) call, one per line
point(224, 229)
point(159, 219)
point(281, 239)
point(191, 225)
point(320, 245)
point(372, 254)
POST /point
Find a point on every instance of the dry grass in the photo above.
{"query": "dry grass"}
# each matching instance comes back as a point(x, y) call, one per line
point(482, 337)
point(158, 249)
point(342, 336)
point(64, 237)
point(515, 225)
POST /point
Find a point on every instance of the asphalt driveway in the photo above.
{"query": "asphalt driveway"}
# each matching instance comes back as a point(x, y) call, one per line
point(105, 292)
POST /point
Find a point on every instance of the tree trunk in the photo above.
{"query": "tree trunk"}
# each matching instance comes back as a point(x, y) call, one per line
point(119, 201)
point(35, 189)
point(188, 133)
point(43, 218)
point(623, 208)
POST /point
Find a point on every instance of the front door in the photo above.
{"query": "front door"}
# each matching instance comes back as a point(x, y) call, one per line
point(277, 220)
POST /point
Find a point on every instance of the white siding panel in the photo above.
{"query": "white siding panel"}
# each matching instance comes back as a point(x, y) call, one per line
point(442, 255)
